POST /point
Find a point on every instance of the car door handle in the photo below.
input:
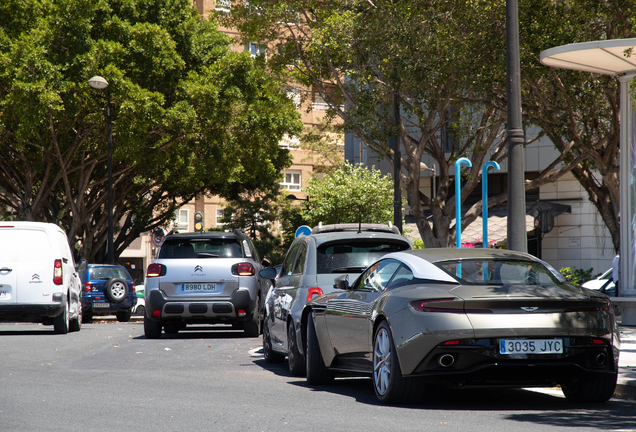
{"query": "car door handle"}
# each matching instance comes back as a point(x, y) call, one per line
point(5, 270)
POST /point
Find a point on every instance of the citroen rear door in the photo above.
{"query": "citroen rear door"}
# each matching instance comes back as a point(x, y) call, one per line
point(8, 263)
point(36, 264)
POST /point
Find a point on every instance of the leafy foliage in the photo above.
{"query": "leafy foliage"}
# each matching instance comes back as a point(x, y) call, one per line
point(420, 70)
point(445, 65)
point(577, 276)
point(350, 193)
point(189, 116)
point(256, 213)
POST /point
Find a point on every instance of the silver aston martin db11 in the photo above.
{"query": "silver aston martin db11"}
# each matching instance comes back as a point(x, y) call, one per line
point(463, 318)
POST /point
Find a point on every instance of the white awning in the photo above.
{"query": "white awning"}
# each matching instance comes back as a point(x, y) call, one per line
point(605, 57)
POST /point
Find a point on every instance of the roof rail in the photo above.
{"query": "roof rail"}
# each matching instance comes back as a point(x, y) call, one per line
point(320, 229)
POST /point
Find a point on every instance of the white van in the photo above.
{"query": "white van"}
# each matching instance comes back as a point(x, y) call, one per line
point(38, 279)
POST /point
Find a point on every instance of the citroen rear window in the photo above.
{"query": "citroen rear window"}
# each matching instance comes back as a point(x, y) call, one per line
point(347, 256)
point(201, 248)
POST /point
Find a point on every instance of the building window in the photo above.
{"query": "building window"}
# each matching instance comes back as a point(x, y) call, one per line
point(291, 181)
point(220, 214)
point(289, 142)
point(319, 102)
point(256, 49)
point(182, 223)
point(223, 6)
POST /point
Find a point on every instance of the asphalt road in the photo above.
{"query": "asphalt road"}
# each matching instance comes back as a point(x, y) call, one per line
point(109, 377)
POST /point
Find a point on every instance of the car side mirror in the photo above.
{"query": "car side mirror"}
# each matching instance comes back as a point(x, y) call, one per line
point(268, 273)
point(266, 262)
point(341, 282)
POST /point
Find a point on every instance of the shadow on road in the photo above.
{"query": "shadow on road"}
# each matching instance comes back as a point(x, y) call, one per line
point(205, 332)
point(520, 405)
point(18, 332)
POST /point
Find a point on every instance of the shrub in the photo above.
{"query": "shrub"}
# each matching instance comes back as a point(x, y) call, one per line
point(577, 276)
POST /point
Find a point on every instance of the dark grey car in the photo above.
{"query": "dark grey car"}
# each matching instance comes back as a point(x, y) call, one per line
point(308, 270)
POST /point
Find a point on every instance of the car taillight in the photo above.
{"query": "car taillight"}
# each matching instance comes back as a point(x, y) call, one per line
point(155, 270)
point(604, 306)
point(57, 272)
point(313, 292)
point(429, 306)
point(245, 269)
point(87, 287)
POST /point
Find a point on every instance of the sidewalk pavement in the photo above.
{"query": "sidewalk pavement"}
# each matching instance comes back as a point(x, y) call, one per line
point(626, 386)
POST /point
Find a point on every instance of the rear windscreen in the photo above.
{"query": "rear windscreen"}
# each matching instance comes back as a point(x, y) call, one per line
point(104, 273)
point(346, 255)
point(201, 248)
point(501, 272)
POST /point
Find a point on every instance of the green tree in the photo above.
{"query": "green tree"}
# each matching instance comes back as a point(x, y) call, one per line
point(189, 115)
point(578, 111)
point(324, 143)
point(254, 212)
point(577, 276)
point(351, 193)
point(432, 59)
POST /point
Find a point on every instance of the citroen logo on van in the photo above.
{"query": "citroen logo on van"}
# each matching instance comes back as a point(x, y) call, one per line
point(35, 278)
point(529, 309)
point(198, 268)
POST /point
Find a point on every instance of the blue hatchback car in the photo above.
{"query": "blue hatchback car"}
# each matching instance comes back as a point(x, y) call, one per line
point(107, 290)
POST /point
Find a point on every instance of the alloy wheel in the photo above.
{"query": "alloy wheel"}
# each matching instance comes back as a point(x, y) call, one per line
point(382, 361)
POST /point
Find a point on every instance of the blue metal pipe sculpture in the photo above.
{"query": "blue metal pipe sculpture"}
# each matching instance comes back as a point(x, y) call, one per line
point(484, 211)
point(458, 205)
point(484, 198)
point(458, 198)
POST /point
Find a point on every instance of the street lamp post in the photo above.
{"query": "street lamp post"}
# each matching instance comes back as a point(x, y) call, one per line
point(99, 83)
point(517, 236)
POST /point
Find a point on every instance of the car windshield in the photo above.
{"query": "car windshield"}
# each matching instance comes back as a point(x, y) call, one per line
point(103, 273)
point(201, 248)
point(501, 272)
point(346, 256)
